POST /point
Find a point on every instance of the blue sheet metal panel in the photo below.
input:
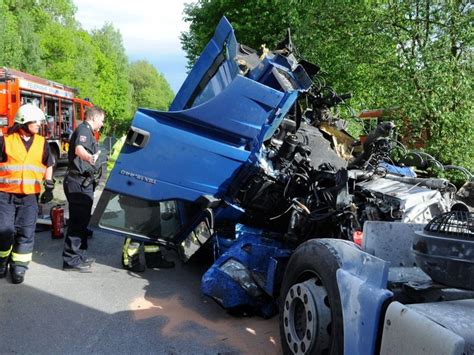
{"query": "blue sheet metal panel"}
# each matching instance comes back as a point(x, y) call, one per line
point(264, 253)
point(231, 296)
point(263, 72)
point(260, 256)
point(398, 170)
point(260, 70)
point(183, 164)
point(362, 282)
point(184, 146)
point(223, 35)
point(240, 110)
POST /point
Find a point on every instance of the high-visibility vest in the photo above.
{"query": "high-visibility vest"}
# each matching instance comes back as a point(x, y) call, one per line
point(24, 170)
point(114, 153)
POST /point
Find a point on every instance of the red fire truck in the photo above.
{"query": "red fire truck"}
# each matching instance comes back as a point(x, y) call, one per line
point(62, 108)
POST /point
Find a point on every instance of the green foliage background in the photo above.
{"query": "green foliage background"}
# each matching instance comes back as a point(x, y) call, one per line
point(412, 58)
point(42, 37)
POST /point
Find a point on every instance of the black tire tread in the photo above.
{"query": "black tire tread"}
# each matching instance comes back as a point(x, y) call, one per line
point(315, 256)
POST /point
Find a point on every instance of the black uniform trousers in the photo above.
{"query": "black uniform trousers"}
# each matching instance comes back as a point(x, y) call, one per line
point(18, 215)
point(80, 199)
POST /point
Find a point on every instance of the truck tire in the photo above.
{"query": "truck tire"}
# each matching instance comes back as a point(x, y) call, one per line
point(310, 307)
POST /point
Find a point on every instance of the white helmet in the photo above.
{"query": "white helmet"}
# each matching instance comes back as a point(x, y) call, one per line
point(29, 113)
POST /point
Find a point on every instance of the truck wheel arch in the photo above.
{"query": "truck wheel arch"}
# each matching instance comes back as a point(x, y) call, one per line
point(310, 304)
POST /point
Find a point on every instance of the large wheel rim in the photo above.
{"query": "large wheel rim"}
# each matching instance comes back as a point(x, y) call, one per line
point(307, 317)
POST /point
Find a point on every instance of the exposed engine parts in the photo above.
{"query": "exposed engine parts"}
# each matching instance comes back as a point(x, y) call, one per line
point(304, 189)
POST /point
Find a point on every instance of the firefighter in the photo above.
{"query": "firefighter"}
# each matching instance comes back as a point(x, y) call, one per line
point(25, 162)
point(136, 212)
point(79, 186)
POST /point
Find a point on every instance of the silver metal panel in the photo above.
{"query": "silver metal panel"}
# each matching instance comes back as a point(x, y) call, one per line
point(391, 241)
point(419, 204)
point(458, 316)
point(408, 332)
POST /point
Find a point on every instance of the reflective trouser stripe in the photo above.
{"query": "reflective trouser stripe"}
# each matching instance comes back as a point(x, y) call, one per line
point(6, 253)
point(152, 248)
point(125, 250)
point(129, 249)
point(132, 249)
point(22, 258)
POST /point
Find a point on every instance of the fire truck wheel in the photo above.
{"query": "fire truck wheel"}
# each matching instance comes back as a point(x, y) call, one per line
point(310, 307)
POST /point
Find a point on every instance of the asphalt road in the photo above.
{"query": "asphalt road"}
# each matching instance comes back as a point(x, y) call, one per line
point(115, 311)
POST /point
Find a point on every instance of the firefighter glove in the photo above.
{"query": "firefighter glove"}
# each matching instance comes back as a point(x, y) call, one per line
point(47, 195)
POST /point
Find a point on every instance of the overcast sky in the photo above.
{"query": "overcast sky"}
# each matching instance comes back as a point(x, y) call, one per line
point(150, 30)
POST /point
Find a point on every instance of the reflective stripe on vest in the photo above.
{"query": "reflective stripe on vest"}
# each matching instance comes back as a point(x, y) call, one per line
point(24, 170)
point(22, 167)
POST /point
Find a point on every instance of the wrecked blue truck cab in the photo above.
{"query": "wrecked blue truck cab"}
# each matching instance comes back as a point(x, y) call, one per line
point(249, 146)
point(178, 164)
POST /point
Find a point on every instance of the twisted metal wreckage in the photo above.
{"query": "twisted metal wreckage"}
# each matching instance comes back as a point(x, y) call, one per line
point(250, 163)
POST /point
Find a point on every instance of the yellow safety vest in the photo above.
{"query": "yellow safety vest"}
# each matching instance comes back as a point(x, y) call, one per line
point(114, 153)
point(24, 170)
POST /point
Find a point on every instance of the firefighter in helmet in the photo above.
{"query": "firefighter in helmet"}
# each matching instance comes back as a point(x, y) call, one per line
point(25, 163)
point(136, 214)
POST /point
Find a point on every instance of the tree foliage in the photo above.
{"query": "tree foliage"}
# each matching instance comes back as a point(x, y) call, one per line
point(150, 88)
point(42, 37)
point(413, 58)
point(114, 90)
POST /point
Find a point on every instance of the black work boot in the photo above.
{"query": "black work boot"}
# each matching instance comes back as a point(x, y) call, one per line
point(3, 267)
point(17, 274)
point(131, 256)
point(156, 261)
point(133, 264)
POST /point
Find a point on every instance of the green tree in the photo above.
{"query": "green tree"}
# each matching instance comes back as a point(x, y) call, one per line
point(150, 88)
point(85, 65)
point(10, 42)
point(58, 52)
point(434, 68)
point(413, 57)
point(114, 90)
point(255, 23)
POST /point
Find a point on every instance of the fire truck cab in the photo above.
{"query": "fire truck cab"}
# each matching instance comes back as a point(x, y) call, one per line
point(62, 108)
